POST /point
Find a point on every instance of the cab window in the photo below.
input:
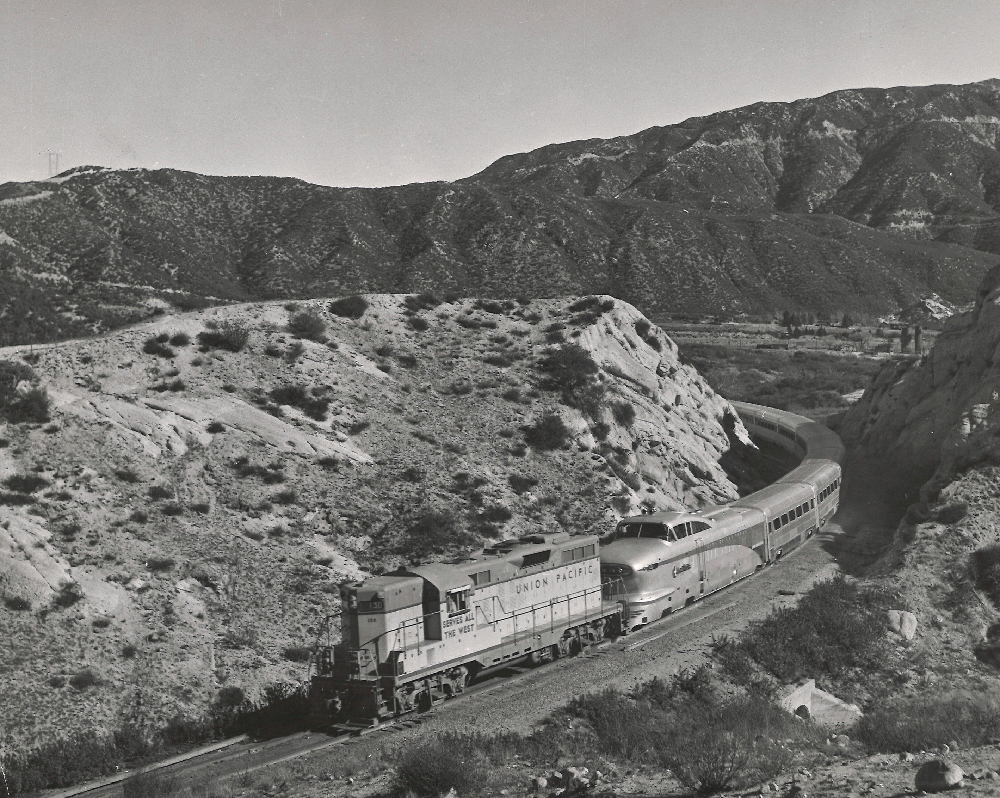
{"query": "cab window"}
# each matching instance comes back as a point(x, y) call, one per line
point(457, 601)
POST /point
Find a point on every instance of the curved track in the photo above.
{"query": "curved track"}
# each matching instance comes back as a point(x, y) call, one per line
point(815, 444)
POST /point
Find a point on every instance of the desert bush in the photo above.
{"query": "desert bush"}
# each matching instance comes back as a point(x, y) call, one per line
point(499, 359)
point(273, 350)
point(567, 367)
point(215, 427)
point(297, 653)
point(30, 405)
point(201, 507)
point(229, 387)
point(918, 513)
point(413, 474)
point(160, 564)
point(16, 499)
point(519, 483)
point(926, 722)
point(154, 346)
point(548, 432)
point(952, 513)
point(350, 307)
point(328, 462)
point(25, 483)
point(450, 762)
point(286, 496)
point(424, 301)
point(84, 679)
point(512, 395)
point(623, 412)
point(307, 324)
point(419, 324)
point(180, 339)
point(493, 306)
point(600, 429)
point(101, 623)
point(642, 326)
point(139, 516)
point(157, 492)
point(17, 603)
point(228, 335)
point(310, 402)
point(432, 530)
point(295, 351)
point(69, 593)
point(56, 681)
point(358, 426)
point(837, 632)
point(129, 651)
point(127, 475)
point(407, 360)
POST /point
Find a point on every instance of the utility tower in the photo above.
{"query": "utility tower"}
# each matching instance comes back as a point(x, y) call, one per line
point(53, 163)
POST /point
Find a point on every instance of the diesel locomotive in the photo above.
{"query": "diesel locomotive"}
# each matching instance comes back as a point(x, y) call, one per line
point(417, 636)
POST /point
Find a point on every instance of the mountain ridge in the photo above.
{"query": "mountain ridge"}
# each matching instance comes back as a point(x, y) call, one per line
point(863, 200)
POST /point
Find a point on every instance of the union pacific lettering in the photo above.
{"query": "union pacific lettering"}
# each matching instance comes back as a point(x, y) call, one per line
point(560, 577)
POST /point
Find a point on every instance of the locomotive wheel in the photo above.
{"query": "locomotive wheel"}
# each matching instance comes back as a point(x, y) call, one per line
point(554, 651)
point(425, 702)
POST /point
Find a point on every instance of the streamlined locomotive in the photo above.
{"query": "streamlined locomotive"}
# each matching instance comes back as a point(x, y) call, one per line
point(417, 636)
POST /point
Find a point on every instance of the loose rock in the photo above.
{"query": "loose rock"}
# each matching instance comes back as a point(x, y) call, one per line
point(938, 775)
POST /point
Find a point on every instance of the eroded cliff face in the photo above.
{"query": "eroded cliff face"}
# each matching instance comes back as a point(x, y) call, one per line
point(202, 510)
point(930, 420)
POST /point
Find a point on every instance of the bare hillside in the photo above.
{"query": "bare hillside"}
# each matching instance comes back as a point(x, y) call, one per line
point(205, 481)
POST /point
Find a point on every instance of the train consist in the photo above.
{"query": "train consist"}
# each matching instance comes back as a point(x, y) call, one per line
point(417, 636)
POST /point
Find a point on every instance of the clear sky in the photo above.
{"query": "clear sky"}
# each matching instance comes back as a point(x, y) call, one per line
point(375, 92)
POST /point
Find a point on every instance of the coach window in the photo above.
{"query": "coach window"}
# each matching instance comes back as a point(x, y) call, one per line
point(699, 526)
point(784, 518)
point(458, 601)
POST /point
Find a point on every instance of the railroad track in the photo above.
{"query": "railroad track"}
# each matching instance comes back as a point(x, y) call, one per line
point(239, 757)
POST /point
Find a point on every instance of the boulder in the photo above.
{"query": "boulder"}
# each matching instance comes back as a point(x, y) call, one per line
point(938, 775)
point(903, 623)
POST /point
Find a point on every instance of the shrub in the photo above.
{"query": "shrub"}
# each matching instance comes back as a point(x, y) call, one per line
point(84, 679)
point(31, 405)
point(358, 426)
point(512, 395)
point(286, 496)
point(493, 306)
point(549, 432)
point(838, 631)
point(139, 516)
point(56, 681)
point(129, 651)
point(17, 603)
point(160, 564)
point(567, 367)
point(920, 724)
point(157, 492)
point(229, 335)
point(520, 483)
point(101, 623)
point(419, 324)
point(351, 307)
point(433, 530)
point(450, 762)
point(154, 346)
point(407, 360)
point(413, 474)
point(127, 475)
point(229, 387)
point(297, 653)
point(500, 359)
point(309, 402)
point(273, 350)
point(601, 430)
point(25, 483)
point(624, 413)
point(424, 301)
point(642, 326)
point(307, 324)
point(215, 427)
point(201, 507)
point(180, 339)
point(329, 462)
point(69, 593)
point(952, 513)
point(16, 499)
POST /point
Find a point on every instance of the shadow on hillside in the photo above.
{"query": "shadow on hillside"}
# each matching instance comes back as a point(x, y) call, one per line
point(872, 502)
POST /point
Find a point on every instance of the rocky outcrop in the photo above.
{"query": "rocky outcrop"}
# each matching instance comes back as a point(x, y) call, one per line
point(935, 417)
